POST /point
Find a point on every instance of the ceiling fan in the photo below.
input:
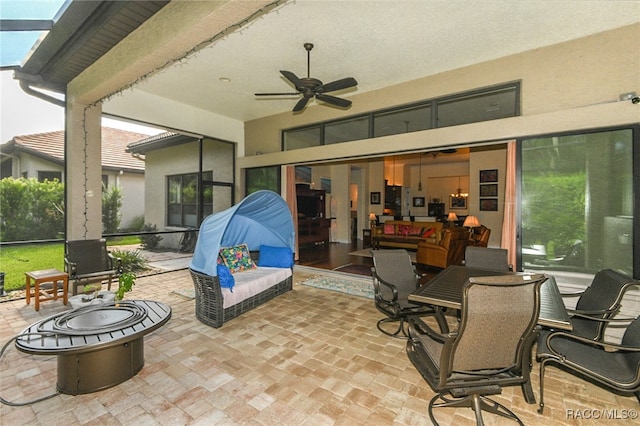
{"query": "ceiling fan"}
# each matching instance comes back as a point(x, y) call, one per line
point(309, 87)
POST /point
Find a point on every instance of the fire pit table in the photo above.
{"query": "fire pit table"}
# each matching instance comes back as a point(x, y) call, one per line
point(97, 346)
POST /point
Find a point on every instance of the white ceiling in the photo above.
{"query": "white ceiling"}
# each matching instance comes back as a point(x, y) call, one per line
point(378, 42)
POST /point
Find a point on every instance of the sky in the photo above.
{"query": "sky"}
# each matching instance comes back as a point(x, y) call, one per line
point(23, 114)
point(20, 113)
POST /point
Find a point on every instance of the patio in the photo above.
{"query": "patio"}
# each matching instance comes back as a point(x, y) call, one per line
point(310, 356)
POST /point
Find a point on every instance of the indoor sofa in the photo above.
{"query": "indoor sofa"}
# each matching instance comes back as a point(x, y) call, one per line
point(405, 234)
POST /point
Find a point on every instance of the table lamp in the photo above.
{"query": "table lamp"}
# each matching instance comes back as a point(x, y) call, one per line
point(471, 222)
point(452, 218)
point(372, 219)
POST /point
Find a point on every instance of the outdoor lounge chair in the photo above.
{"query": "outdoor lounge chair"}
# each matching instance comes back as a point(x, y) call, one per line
point(394, 278)
point(88, 261)
point(489, 351)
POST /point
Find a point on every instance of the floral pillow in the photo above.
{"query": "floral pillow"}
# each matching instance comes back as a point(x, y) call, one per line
point(389, 229)
point(237, 258)
point(404, 230)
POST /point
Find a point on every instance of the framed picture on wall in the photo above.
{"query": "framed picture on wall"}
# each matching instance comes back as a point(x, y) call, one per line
point(488, 175)
point(375, 198)
point(457, 202)
point(418, 201)
point(489, 204)
point(489, 190)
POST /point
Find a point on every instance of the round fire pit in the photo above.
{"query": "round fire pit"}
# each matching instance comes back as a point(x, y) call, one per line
point(97, 346)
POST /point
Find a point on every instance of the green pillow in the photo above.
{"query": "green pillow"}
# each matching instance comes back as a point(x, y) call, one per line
point(237, 258)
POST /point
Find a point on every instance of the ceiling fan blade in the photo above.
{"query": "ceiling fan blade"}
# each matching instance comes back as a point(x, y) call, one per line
point(344, 103)
point(344, 83)
point(301, 104)
point(277, 94)
point(293, 79)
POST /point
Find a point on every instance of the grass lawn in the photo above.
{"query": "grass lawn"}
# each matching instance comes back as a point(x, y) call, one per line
point(15, 261)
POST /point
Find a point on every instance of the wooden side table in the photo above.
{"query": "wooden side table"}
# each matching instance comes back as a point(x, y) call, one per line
point(45, 286)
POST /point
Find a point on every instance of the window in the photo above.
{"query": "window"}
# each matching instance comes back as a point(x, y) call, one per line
point(262, 178)
point(578, 202)
point(51, 176)
point(346, 130)
point(301, 138)
point(183, 199)
point(473, 108)
point(404, 120)
point(478, 105)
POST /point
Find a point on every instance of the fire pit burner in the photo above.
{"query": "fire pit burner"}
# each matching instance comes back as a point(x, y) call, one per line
point(108, 335)
point(102, 318)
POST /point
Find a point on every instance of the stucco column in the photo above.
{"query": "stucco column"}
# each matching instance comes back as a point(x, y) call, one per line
point(83, 174)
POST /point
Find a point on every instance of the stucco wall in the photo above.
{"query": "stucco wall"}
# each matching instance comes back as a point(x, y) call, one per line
point(176, 160)
point(568, 86)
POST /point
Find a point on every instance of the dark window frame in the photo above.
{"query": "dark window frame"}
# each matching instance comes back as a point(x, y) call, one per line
point(635, 129)
point(430, 103)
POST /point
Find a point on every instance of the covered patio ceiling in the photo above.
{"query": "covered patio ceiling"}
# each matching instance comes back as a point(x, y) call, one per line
point(380, 43)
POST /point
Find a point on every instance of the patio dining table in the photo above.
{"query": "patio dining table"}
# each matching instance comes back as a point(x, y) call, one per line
point(445, 291)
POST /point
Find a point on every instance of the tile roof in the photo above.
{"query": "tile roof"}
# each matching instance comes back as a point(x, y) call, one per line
point(50, 146)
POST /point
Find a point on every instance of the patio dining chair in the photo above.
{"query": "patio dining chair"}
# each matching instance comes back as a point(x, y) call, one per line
point(489, 351)
point(394, 278)
point(487, 258)
point(89, 261)
point(613, 366)
point(599, 303)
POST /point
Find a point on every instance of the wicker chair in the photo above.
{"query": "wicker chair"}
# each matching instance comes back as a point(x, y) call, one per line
point(490, 350)
point(394, 278)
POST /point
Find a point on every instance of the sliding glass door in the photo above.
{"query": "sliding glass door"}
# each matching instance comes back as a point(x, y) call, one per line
point(577, 209)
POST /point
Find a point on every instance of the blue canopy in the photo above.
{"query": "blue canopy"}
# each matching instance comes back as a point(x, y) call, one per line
point(261, 218)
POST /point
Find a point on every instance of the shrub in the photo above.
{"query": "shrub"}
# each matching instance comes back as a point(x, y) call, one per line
point(132, 260)
point(150, 241)
point(111, 205)
point(31, 210)
point(136, 224)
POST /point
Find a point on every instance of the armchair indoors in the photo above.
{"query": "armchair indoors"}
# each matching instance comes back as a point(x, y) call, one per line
point(613, 366)
point(480, 236)
point(394, 278)
point(88, 261)
point(487, 258)
point(490, 350)
point(449, 251)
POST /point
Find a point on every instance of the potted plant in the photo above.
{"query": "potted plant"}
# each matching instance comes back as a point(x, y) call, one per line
point(90, 292)
point(126, 281)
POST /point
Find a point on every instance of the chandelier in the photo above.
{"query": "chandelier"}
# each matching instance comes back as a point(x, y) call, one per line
point(460, 193)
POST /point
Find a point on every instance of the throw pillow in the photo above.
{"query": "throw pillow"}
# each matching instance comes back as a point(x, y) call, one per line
point(389, 229)
point(275, 257)
point(415, 231)
point(429, 232)
point(225, 277)
point(237, 258)
point(404, 230)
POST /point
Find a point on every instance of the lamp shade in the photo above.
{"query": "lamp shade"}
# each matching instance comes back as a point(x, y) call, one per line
point(452, 217)
point(372, 216)
point(471, 222)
